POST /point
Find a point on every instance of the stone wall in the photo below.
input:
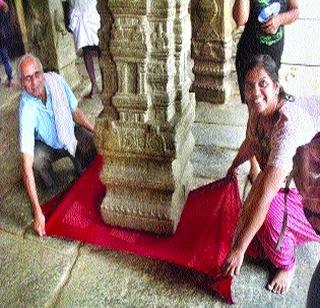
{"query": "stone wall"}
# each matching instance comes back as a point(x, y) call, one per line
point(300, 69)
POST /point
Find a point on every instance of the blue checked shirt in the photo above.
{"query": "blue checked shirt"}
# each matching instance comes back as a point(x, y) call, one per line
point(36, 120)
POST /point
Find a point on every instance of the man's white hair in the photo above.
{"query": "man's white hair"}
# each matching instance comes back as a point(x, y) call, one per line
point(23, 58)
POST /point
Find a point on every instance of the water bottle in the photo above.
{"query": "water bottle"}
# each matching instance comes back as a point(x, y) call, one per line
point(268, 11)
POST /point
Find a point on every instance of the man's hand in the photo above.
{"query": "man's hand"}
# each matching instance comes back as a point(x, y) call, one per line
point(233, 263)
point(80, 118)
point(30, 185)
point(39, 224)
point(271, 25)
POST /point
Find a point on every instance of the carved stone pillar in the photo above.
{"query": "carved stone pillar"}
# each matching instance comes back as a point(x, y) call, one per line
point(144, 131)
point(212, 49)
point(22, 23)
point(49, 40)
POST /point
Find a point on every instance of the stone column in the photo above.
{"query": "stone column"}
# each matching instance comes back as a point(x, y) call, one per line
point(22, 22)
point(212, 49)
point(49, 40)
point(144, 131)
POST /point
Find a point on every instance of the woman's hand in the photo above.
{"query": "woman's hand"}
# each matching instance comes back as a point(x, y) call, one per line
point(233, 263)
point(271, 25)
point(39, 224)
point(232, 171)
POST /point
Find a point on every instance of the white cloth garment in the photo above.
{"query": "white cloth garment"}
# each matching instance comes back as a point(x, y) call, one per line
point(62, 112)
point(84, 22)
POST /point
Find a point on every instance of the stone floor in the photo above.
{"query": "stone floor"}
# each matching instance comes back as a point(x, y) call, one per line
point(48, 272)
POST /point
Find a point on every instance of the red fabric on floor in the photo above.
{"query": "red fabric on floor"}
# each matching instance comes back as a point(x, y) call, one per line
point(201, 242)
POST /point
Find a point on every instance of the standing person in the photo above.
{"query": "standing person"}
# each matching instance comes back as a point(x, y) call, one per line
point(276, 128)
point(84, 24)
point(264, 22)
point(51, 126)
point(5, 37)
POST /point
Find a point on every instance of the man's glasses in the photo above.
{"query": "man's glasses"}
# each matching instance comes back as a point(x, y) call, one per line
point(36, 75)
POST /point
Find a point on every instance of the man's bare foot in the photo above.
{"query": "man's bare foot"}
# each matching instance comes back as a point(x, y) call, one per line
point(281, 282)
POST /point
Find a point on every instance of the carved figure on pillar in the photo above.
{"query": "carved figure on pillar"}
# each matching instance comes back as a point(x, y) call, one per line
point(211, 51)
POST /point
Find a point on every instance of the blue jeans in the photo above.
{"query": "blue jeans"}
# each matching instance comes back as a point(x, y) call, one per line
point(6, 62)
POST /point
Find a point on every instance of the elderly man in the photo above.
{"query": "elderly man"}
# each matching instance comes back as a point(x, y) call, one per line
point(51, 126)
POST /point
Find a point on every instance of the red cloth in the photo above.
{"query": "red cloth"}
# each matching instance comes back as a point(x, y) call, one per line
point(201, 242)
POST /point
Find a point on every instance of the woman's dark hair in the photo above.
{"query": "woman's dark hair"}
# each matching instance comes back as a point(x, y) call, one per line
point(269, 65)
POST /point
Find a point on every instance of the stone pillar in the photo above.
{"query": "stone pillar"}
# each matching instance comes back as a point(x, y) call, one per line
point(22, 22)
point(49, 40)
point(144, 131)
point(212, 49)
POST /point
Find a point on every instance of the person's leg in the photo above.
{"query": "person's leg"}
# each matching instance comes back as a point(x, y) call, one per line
point(313, 300)
point(7, 65)
point(86, 149)
point(240, 68)
point(298, 232)
point(274, 51)
point(88, 54)
point(44, 156)
point(241, 62)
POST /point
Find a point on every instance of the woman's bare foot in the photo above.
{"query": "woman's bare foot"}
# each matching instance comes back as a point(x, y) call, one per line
point(281, 282)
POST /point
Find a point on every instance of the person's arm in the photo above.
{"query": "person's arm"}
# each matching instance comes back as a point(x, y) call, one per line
point(255, 210)
point(245, 152)
point(241, 11)
point(285, 18)
point(27, 125)
point(80, 118)
point(30, 185)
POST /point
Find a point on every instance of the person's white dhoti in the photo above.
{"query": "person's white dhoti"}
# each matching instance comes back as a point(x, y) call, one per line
point(84, 23)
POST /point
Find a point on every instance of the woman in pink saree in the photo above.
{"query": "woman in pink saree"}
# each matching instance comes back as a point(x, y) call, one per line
point(277, 127)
